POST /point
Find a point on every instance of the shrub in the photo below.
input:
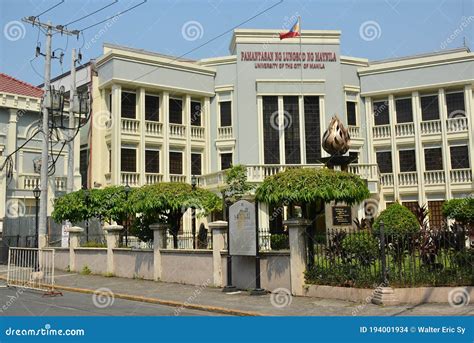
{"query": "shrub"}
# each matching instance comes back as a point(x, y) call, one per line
point(461, 210)
point(92, 244)
point(85, 270)
point(398, 220)
point(361, 247)
point(279, 242)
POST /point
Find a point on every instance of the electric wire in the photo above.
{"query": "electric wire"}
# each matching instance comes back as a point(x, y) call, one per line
point(49, 9)
point(92, 13)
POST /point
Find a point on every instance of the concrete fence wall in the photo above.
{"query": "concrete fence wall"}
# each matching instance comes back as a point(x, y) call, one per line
point(192, 267)
point(93, 258)
point(133, 263)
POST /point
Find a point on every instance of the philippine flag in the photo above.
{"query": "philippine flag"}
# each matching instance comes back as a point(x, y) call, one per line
point(294, 31)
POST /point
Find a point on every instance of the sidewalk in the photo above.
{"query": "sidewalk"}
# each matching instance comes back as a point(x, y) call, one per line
point(214, 300)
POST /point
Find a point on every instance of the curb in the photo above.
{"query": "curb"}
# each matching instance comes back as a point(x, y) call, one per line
point(170, 303)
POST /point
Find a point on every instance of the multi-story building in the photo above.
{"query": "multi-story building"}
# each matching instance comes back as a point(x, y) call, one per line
point(161, 118)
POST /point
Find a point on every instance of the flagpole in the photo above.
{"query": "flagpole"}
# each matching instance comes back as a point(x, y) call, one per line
point(301, 60)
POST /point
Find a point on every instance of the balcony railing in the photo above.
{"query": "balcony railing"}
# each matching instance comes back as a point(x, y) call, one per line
point(130, 125)
point(31, 181)
point(153, 128)
point(408, 179)
point(177, 130)
point(130, 178)
point(404, 129)
point(152, 178)
point(354, 131)
point(381, 131)
point(366, 171)
point(386, 179)
point(435, 177)
point(457, 124)
point(177, 178)
point(461, 176)
point(430, 127)
point(197, 132)
point(225, 132)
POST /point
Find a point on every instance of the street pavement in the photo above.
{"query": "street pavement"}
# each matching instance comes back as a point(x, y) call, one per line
point(205, 296)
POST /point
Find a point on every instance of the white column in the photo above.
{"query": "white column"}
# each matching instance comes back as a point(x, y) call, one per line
point(302, 129)
point(164, 113)
point(419, 151)
point(159, 242)
point(393, 143)
point(468, 107)
point(443, 116)
point(116, 133)
point(261, 155)
point(281, 129)
point(142, 145)
point(323, 122)
point(187, 149)
point(369, 118)
point(206, 111)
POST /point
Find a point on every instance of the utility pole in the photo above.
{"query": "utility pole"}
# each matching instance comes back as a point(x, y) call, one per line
point(72, 94)
point(46, 103)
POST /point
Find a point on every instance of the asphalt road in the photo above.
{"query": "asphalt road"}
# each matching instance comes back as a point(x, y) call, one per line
point(31, 303)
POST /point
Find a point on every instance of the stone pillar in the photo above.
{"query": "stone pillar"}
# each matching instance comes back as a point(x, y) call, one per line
point(384, 296)
point(159, 242)
point(219, 232)
point(297, 232)
point(74, 236)
point(112, 232)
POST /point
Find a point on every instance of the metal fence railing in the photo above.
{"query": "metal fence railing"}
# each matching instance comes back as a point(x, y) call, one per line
point(186, 240)
point(363, 258)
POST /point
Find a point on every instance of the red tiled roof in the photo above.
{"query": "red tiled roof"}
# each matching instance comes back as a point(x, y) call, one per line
point(11, 85)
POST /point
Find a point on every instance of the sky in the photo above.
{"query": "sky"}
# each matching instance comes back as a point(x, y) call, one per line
point(370, 29)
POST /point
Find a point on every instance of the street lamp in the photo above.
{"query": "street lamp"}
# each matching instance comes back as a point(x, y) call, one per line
point(193, 212)
point(36, 194)
point(127, 190)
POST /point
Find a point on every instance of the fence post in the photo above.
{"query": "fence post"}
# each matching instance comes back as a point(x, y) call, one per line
point(159, 242)
point(74, 237)
point(382, 253)
point(219, 232)
point(297, 232)
point(113, 233)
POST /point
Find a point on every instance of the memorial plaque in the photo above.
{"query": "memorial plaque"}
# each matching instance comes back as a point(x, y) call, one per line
point(242, 232)
point(341, 215)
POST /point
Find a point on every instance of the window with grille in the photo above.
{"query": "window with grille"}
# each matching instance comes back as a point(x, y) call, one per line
point(271, 134)
point(381, 113)
point(436, 218)
point(152, 108)
point(226, 161)
point(129, 103)
point(460, 157)
point(292, 129)
point(312, 129)
point(128, 160)
point(404, 110)
point(455, 104)
point(84, 166)
point(152, 161)
point(429, 107)
point(384, 161)
point(176, 111)
point(226, 113)
point(411, 205)
point(176, 163)
point(196, 113)
point(196, 164)
point(351, 113)
point(407, 160)
point(433, 159)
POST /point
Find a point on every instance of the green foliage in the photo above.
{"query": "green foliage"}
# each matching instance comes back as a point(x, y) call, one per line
point(397, 220)
point(85, 270)
point(92, 244)
point(236, 183)
point(71, 207)
point(279, 242)
point(308, 185)
point(461, 210)
point(361, 247)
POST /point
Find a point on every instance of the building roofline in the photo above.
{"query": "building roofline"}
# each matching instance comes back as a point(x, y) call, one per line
point(422, 55)
point(147, 52)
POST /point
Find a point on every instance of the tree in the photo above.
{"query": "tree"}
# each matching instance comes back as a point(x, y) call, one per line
point(461, 210)
point(236, 183)
point(398, 220)
point(167, 202)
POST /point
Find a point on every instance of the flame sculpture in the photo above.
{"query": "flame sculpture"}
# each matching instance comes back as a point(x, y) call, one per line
point(336, 139)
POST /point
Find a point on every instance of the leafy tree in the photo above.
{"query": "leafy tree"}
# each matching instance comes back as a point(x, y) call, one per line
point(398, 220)
point(167, 202)
point(361, 246)
point(236, 183)
point(461, 210)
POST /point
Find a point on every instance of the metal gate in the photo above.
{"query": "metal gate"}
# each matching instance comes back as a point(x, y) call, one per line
point(31, 268)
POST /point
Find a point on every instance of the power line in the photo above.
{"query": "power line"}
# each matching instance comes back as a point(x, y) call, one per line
point(92, 13)
point(49, 9)
point(117, 15)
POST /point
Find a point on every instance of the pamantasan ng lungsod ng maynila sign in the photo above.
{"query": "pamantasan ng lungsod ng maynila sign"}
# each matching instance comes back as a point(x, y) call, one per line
point(288, 59)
